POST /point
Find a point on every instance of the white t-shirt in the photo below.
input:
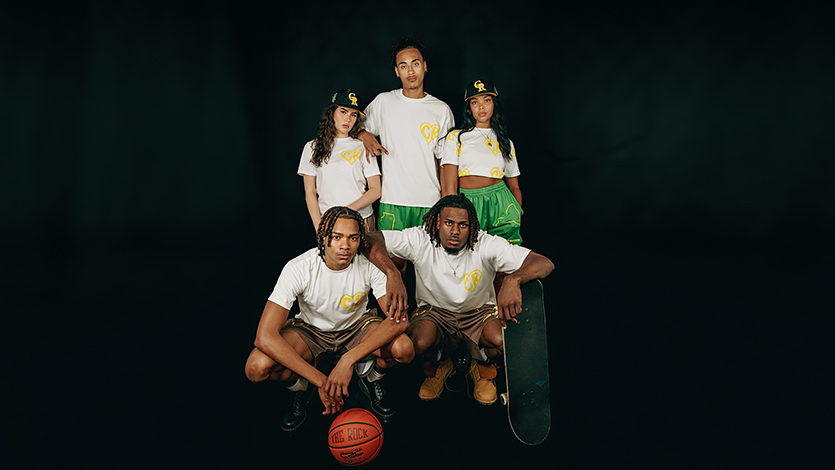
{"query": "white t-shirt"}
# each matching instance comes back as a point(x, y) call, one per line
point(460, 282)
point(409, 129)
point(478, 154)
point(342, 179)
point(329, 300)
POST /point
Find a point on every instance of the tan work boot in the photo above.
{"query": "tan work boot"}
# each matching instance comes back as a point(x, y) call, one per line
point(484, 378)
point(432, 387)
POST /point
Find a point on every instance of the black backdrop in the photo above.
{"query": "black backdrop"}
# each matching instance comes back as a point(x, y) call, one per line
point(677, 168)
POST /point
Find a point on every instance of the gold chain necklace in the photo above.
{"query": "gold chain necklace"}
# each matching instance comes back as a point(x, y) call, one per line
point(487, 140)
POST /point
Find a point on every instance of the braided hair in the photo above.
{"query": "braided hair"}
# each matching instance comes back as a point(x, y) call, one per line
point(329, 218)
point(455, 201)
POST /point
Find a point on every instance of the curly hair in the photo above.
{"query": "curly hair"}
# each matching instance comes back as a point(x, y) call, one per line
point(329, 218)
point(405, 42)
point(497, 123)
point(456, 201)
point(323, 144)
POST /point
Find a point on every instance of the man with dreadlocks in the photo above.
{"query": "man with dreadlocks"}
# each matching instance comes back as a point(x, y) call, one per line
point(455, 264)
point(331, 283)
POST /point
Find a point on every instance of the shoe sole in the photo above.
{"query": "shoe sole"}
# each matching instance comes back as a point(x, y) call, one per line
point(295, 427)
point(439, 394)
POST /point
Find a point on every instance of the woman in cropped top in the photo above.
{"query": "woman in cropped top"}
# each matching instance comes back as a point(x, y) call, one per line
point(479, 160)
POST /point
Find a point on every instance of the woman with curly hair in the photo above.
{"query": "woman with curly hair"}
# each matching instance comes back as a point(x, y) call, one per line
point(478, 160)
point(333, 165)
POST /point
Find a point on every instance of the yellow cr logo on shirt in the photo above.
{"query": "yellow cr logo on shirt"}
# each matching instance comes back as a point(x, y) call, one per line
point(429, 131)
point(471, 280)
point(350, 302)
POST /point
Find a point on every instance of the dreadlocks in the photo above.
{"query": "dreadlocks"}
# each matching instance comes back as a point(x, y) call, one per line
point(456, 201)
point(323, 234)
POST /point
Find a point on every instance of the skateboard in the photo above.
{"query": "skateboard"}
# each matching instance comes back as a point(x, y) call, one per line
point(526, 369)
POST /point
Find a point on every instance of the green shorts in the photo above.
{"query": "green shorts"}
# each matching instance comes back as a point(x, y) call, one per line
point(498, 212)
point(400, 217)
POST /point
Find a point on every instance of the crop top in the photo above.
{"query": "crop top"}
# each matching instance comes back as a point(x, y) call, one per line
point(478, 154)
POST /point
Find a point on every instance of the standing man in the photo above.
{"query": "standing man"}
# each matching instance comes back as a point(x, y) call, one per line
point(455, 264)
point(408, 121)
point(332, 284)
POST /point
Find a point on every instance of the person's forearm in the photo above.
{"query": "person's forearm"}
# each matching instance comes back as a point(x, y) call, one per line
point(372, 194)
point(385, 332)
point(280, 351)
point(535, 266)
point(313, 210)
point(376, 252)
point(365, 200)
point(311, 199)
point(517, 193)
point(513, 186)
point(450, 175)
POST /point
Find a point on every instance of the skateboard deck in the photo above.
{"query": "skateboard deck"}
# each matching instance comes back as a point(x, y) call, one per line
point(526, 369)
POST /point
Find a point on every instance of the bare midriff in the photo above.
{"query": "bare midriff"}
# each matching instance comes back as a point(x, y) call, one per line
point(476, 182)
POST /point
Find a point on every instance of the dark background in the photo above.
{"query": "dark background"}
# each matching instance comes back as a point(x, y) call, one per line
point(676, 167)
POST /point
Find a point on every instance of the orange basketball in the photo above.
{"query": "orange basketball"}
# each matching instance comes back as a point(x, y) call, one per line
point(355, 437)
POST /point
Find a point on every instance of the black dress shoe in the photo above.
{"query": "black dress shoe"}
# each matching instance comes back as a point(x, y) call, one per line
point(296, 414)
point(376, 395)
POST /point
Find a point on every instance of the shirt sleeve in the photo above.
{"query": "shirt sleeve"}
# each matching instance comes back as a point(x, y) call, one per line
point(447, 123)
point(373, 116)
point(378, 281)
point(449, 149)
point(506, 257)
point(399, 243)
point(369, 169)
point(512, 165)
point(305, 167)
point(290, 285)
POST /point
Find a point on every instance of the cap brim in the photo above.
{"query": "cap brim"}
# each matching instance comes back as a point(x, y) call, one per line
point(482, 93)
point(350, 107)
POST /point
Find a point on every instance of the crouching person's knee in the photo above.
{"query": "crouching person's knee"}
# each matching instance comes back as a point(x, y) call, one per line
point(403, 350)
point(258, 367)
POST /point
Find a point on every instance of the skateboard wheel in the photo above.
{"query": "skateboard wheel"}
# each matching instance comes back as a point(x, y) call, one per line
point(503, 398)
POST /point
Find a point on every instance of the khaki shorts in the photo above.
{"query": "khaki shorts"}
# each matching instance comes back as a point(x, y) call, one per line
point(370, 224)
point(332, 342)
point(467, 326)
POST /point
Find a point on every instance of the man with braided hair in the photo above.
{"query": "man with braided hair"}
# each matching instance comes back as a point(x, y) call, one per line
point(331, 283)
point(455, 264)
